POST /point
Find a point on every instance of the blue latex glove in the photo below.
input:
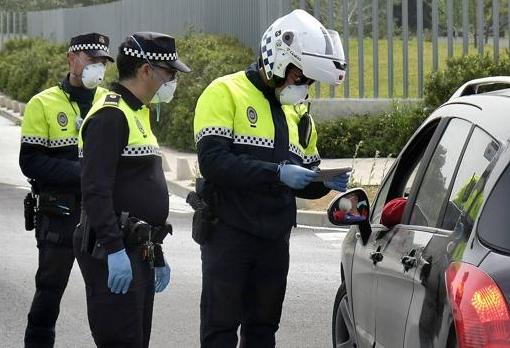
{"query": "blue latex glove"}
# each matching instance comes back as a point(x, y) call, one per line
point(120, 274)
point(162, 277)
point(296, 177)
point(339, 182)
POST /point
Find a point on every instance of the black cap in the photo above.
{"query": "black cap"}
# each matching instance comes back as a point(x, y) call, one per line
point(93, 44)
point(158, 48)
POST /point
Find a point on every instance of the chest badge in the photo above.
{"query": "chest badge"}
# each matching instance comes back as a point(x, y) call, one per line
point(252, 116)
point(140, 127)
point(62, 119)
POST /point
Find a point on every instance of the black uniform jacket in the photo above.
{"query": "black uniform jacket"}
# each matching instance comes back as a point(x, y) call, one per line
point(112, 183)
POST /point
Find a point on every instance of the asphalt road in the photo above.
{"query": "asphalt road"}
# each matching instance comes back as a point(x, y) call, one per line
point(312, 283)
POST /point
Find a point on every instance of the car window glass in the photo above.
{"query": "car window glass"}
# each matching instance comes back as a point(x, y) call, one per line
point(381, 200)
point(408, 176)
point(410, 180)
point(439, 174)
point(479, 153)
point(495, 219)
point(401, 178)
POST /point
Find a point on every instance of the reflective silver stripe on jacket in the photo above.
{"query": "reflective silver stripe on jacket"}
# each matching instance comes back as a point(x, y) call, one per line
point(141, 150)
point(219, 131)
point(254, 141)
point(49, 143)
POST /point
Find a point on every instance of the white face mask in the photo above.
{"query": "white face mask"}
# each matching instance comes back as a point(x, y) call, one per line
point(93, 75)
point(165, 92)
point(292, 94)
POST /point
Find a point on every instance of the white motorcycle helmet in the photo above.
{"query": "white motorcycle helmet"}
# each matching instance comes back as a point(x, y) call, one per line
point(300, 39)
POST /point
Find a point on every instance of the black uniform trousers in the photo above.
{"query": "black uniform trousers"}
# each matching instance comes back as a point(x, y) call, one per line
point(54, 236)
point(244, 278)
point(117, 320)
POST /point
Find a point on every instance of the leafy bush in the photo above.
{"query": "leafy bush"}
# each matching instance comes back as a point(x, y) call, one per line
point(441, 84)
point(389, 132)
point(386, 133)
point(29, 66)
point(209, 57)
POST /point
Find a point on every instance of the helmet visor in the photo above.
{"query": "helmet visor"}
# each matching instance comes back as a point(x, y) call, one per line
point(328, 67)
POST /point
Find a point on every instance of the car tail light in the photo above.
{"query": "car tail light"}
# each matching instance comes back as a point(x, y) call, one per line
point(480, 311)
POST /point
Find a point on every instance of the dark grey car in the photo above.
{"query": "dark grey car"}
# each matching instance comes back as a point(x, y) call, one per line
point(440, 277)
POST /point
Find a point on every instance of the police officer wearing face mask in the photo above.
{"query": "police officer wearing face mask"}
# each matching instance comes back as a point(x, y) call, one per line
point(125, 197)
point(49, 157)
point(256, 150)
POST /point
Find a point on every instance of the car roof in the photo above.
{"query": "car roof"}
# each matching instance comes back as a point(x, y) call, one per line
point(490, 111)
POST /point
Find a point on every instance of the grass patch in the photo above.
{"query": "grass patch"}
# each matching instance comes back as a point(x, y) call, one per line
point(398, 67)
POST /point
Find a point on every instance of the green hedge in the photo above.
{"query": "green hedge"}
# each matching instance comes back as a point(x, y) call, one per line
point(29, 66)
point(209, 56)
point(440, 85)
point(386, 133)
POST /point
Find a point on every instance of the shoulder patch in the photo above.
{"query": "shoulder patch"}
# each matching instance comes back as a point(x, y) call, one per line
point(112, 99)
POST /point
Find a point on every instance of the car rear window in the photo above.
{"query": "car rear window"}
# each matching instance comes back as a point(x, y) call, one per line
point(478, 155)
point(494, 223)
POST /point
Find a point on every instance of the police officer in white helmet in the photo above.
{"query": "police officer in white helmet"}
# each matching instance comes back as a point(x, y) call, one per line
point(256, 148)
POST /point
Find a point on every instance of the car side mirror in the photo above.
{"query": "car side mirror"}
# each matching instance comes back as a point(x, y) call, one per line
point(349, 208)
point(352, 208)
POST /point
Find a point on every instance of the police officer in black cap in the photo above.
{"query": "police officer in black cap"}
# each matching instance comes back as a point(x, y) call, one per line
point(49, 157)
point(125, 197)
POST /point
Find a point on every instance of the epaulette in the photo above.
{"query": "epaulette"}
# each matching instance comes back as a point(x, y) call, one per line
point(112, 99)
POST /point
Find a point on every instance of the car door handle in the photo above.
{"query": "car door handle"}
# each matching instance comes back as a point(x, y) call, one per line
point(409, 260)
point(376, 256)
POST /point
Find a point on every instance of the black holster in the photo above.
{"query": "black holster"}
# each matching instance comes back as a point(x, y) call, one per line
point(30, 204)
point(83, 231)
point(203, 218)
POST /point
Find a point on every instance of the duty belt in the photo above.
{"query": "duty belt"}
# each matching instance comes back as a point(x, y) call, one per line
point(139, 233)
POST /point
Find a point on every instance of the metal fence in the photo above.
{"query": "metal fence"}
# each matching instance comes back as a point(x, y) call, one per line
point(390, 45)
point(12, 26)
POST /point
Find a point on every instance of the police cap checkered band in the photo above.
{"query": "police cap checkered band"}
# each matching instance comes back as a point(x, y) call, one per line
point(94, 44)
point(85, 47)
point(155, 47)
point(150, 55)
point(90, 41)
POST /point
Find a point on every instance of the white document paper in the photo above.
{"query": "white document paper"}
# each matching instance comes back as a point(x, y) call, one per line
point(329, 174)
